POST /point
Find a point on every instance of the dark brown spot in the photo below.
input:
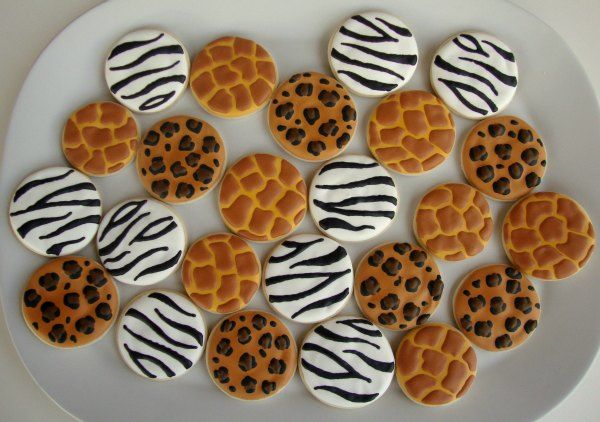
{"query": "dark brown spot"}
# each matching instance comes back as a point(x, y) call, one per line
point(530, 156)
point(244, 335)
point(285, 110)
point(311, 115)
point(152, 138)
point(410, 311)
point(49, 311)
point(169, 129)
point(221, 374)
point(530, 325)
point(418, 258)
point(58, 334)
point(476, 303)
point(465, 323)
point(493, 280)
point(265, 340)
point(503, 341)
point(247, 362)
point(184, 190)
point(194, 125)
point(72, 269)
point(304, 89)
point(227, 325)
point(85, 325)
point(391, 266)
point(375, 258)
point(249, 384)
point(177, 169)
point(282, 342)
point(277, 366)
point(259, 322)
point(501, 186)
point(532, 180)
point(387, 318)
point(390, 301)
point(204, 174)
point(497, 305)
point(71, 300)
point(523, 304)
point(515, 170)
point(31, 298)
point(496, 130)
point(186, 143)
point(485, 173)
point(525, 136)
point(103, 311)
point(512, 324)
point(402, 248)
point(369, 287)
point(503, 151)
point(316, 147)
point(97, 277)
point(295, 135)
point(210, 144)
point(412, 284)
point(513, 287)
point(192, 159)
point(348, 113)
point(268, 386)
point(329, 128)
point(483, 328)
point(329, 98)
point(224, 347)
point(342, 141)
point(436, 288)
point(478, 153)
point(423, 318)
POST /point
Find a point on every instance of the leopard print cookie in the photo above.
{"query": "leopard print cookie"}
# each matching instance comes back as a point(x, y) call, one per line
point(251, 355)
point(496, 307)
point(398, 286)
point(504, 158)
point(181, 159)
point(70, 302)
point(312, 116)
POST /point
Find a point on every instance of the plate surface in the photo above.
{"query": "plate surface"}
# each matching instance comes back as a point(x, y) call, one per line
point(554, 95)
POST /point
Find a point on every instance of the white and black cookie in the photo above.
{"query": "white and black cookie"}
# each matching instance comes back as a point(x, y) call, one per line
point(373, 54)
point(475, 74)
point(55, 211)
point(141, 241)
point(147, 70)
point(346, 362)
point(161, 334)
point(308, 278)
point(353, 198)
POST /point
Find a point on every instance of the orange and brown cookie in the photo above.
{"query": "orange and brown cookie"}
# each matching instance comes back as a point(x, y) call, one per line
point(411, 132)
point(181, 158)
point(312, 116)
point(548, 235)
point(453, 221)
point(398, 286)
point(251, 355)
point(233, 77)
point(221, 273)
point(435, 364)
point(70, 302)
point(100, 138)
point(262, 197)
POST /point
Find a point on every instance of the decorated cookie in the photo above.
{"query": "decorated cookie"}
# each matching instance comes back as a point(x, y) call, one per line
point(262, 197)
point(147, 70)
point(181, 159)
point(346, 362)
point(373, 54)
point(548, 236)
point(411, 132)
point(70, 302)
point(308, 278)
point(141, 241)
point(398, 286)
point(453, 222)
point(233, 77)
point(312, 116)
point(475, 74)
point(221, 273)
point(496, 307)
point(353, 198)
point(251, 355)
point(161, 334)
point(55, 211)
point(100, 138)
point(436, 364)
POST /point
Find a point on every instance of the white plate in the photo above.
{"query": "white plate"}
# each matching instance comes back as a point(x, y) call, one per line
point(554, 95)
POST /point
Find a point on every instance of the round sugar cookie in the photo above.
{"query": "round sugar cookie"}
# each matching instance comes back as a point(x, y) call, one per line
point(475, 74)
point(147, 70)
point(308, 278)
point(353, 198)
point(453, 222)
point(262, 197)
point(312, 116)
point(233, 77)
point(398, 286)
point(141, 241)
point(160, 334)
point(100, 138)
point(221, 273)
point(70, 302)
point(346, 362)
point(373, 54)
point(436, 364)
point(55, 211)
point(251, 355)
point(548, 235)
point(181, 158)
point(411, 132)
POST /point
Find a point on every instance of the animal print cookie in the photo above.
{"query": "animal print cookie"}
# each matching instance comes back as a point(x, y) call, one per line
point(251, 355)
point(453, 222)
point(70, 302)
point(312, 116)
point(548, 235)
point(308, 278)
point(221, 273)
point(411, 132)
point(496, 307)
point(100, 138)
point(262, 197)
point(398, 286)
point(504, 158)
point(233, 77)
point(436, 365)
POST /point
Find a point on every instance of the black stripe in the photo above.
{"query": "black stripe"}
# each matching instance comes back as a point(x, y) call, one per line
point(38, 182)
point(375, 364)
point(57, 248)
point(124, 82)
point(502, 77)
point(137, 356)
point(456, 87)
point(110, 248)
point(346, 165)
point(400, 30)
point(327, 259)
point(476, 49)
point(90, 219)
point(130, 45)
point(395, 58)
point(116, 220)
point(297, 249)
point(369, 83)
point(170, 302)
point(127, 267)
point(443, 64)
point(350, 371)
point(348, 60)
point(116, 258)
point(191, 331)
point(141, 236)
point(160, 267)
point(286, 277)
point(161, 348)
point(301, 295)
point(354, 323)
point(32, 224)
point(166, 49)
point(322, 302)
point(382, 37)
point(370, 181)
point(43, 203)
point(330, 335)
point(156, 101)
point(155, 84)
point(134, 313)
point(506, 55)
point(353, 397)
point(336, 223)
point(327, 207)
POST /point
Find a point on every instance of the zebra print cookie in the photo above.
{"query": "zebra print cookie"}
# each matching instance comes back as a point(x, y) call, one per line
point(353, 198)
point(373, 54)
point(55, 211)
point(346, 362)
point(308, 278)
point(475, 74)
point(147, 70)
point(161, 334)
point(141, 242)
